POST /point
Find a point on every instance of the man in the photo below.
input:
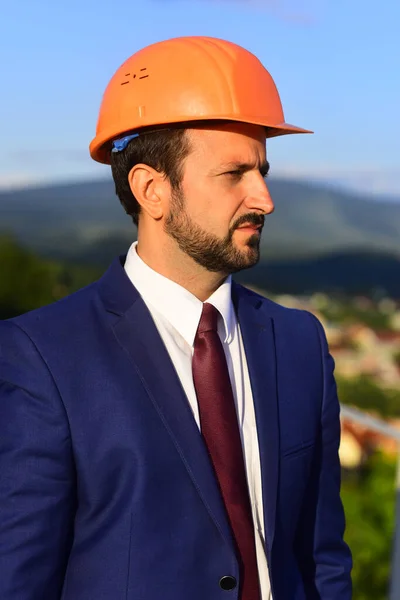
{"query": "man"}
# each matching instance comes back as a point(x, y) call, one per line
point(166, 433)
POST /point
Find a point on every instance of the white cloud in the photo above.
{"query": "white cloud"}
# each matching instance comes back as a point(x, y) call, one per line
point(9, 181)
point(364, 179)
point(47, 169)
point(15, 181)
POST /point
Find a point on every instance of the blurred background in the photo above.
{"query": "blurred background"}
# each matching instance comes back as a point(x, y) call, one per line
point(333, 244)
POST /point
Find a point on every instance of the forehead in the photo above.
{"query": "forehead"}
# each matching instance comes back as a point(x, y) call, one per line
point(227, 142)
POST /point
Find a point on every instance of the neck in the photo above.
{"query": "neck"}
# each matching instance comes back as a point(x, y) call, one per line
point(168, 260)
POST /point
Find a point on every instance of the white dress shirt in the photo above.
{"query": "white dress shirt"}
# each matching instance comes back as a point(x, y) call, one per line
point(176, 313)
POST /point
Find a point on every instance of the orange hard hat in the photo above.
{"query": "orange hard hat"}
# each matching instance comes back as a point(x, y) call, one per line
point(188, 79)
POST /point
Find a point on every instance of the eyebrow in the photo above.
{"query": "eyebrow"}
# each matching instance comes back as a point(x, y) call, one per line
point(241, 167)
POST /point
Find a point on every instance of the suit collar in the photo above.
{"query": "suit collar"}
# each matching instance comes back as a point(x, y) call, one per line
point(115, 290)
point(129, 278)
point(118, 293)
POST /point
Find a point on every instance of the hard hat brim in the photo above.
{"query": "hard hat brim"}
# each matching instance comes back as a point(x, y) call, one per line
point(100, 147)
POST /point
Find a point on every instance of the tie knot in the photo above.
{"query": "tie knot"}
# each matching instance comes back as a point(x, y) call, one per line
point(208, 319)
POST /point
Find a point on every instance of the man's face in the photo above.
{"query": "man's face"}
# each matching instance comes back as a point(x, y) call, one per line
point(217, 215)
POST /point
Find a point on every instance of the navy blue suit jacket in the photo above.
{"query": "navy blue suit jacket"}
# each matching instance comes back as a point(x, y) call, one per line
point(106, 489)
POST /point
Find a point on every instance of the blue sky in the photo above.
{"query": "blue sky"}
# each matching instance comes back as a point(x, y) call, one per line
point(336, 65)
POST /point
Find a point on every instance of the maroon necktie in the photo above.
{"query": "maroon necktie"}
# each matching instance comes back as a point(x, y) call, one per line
point(219, 427)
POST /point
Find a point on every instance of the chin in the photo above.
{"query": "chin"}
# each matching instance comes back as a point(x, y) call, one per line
point(251, 246)
point(248, 260)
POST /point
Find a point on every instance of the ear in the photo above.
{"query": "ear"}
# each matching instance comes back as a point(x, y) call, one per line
point(148, 187)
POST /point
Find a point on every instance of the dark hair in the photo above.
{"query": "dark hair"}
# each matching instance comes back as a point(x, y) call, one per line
point(163, 150)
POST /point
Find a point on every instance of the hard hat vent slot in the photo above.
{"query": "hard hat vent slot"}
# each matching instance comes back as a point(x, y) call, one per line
point(141, 75)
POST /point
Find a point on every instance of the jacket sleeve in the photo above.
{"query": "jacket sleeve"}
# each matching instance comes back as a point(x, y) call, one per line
point(325, 559)
point(36, 474)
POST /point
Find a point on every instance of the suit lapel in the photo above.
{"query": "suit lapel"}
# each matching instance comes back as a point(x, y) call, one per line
point(137, 334)
point(257, 330)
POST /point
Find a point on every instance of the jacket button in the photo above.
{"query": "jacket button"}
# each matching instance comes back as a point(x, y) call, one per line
point(227, 583)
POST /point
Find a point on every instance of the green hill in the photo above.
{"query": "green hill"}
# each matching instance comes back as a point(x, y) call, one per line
point(70, 219)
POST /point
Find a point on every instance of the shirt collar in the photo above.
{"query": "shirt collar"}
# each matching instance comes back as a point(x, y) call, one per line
point(174, 302)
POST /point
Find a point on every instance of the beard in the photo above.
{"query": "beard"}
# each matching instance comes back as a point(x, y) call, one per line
point(211, 252)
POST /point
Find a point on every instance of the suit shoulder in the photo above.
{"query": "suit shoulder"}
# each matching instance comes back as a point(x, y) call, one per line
point(271, 306)
point(298, 319)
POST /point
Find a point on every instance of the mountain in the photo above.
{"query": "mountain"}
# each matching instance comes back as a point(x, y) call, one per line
point(318, 238)
point(74, 219)
point(312, 219)
point(349, 273)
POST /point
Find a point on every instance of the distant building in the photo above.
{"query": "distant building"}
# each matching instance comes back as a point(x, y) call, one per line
point(358, 443)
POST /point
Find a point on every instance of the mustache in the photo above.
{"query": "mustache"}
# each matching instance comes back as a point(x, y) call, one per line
point(252, 218)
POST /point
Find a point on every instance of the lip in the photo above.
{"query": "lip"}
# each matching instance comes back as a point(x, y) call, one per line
point(250, 227)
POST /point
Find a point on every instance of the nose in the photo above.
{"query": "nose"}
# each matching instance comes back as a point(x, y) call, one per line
point(259, 199)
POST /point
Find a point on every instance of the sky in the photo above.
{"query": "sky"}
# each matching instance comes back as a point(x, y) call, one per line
point(336, 65)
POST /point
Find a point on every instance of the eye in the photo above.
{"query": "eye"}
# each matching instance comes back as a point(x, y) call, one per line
point(234, 174)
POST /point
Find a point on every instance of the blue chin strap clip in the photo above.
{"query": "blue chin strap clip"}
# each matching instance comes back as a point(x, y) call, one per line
point(121, 144)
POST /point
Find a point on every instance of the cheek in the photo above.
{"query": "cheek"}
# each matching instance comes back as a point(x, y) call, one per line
point(213, 207)
point(216, 217)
